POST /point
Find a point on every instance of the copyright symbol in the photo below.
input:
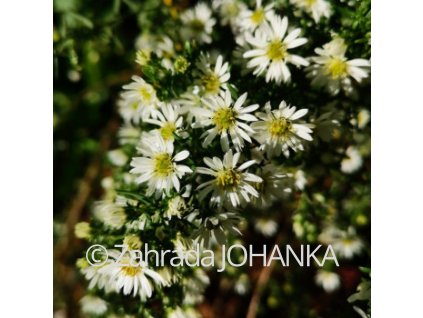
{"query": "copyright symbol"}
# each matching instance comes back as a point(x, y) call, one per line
point(101, 253)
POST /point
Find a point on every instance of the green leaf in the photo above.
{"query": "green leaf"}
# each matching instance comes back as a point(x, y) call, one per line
point(75, 20)
point(131, 195)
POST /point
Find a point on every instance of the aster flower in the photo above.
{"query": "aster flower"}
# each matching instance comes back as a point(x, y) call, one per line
point(352, 162)
point(329, 281)
point(131, 278)
point(332, 70)
point(229, 11)
point(139, 101)
point(198, 23)
point(242, 284)
point(117, 157)
point(267, 227)
point(250, 20)
point(162, 46)
point(92, 305)
point(165, 50)
point(194, 286)
point(279, 129)
point(110, 213)
point(300, 180)
point(169, 121)
point(212, 80)
point(158, 167)
point(97, 278)
point(189, 101)
point(128, 134)
point(227, 120)
point(346, 244)
point(273, 186)
point(270, 50)
point(230, 184)
point(316, 8)
point(214, 229)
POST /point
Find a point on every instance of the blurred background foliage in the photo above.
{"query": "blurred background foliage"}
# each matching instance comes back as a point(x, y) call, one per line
point(94, 53)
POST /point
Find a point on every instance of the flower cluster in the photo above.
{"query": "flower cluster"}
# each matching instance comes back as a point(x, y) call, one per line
point(210, 136)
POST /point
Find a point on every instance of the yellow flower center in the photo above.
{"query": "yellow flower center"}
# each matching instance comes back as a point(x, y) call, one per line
point(279, 127)
point(130, 270)
point(197, 25)
point(167, 131)
point(231, 9)
point(347, 241)
point(145, 93)
point(276, 50)
point(134, 105)
point(228, 178)
point(211, 83)
point(336, 68)
point(163, 164)
point(310, 3)
point(258, 16)
point(224, 118)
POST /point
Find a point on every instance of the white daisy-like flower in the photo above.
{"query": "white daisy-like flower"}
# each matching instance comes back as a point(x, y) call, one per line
point(273, 187)
point(270, 50)
point(346, 244)
point(128, 134)
point(198, 23)
point(169, 121)
point(266, 227)
point(189, 101)
point(117, 157)
point(130, 277)
point(300, 180)
point(251, 20)
point(227, 119)
point(92, 305)
point(165, 50)
point(130, 110)
point(98, 279)
point(316, 8)
point(231, 184)
point(242, 284)
point(162, 46)
point(352, 162)
point(212, 80)
point(194, 287)
point(329, 281)
point(214, 229)
point(110, 213)
point(229, 11)
point(146, 42)
point(139, 101)
point(279, 130)
point(332, 70)
point(158, 167)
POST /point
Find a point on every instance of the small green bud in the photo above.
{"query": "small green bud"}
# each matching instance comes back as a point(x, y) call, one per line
point(181, 65)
